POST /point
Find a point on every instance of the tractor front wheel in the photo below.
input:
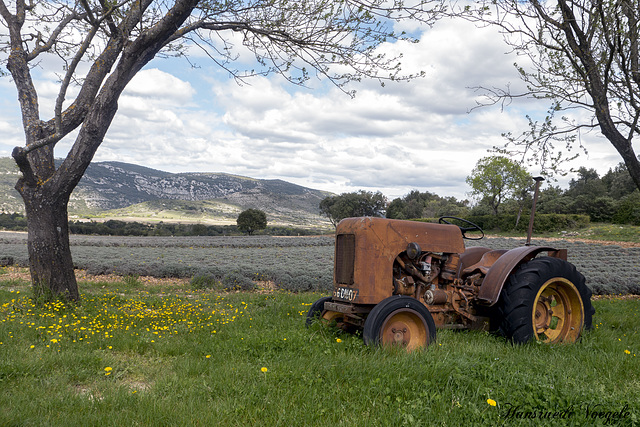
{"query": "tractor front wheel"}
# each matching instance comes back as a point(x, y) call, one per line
point(399, 321)
point(317, 311)
point(545, 299)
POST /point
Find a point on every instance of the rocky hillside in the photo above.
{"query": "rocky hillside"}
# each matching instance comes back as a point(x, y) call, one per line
point(120, 189)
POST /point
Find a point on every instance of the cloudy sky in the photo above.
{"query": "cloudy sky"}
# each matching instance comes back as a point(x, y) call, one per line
point(403, 136)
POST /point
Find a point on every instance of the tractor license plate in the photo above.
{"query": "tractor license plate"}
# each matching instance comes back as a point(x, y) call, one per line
point(345, 294)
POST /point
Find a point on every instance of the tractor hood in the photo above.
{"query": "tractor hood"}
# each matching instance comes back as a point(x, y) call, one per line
point(366, 248)
point(391, 236)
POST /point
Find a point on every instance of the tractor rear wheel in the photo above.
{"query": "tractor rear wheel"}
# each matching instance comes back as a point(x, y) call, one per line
point(546, 299)
point(402, 321)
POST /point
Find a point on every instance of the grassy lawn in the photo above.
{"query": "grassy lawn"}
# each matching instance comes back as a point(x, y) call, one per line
point(138, 354)
point(597, 232)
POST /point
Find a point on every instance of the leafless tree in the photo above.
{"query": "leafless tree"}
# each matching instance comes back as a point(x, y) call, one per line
point(102, 44)
point(581, 55)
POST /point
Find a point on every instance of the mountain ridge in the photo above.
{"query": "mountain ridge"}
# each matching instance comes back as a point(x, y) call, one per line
point(118, 189)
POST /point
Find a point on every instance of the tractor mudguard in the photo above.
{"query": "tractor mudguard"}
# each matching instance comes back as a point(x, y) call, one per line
point(505, 266)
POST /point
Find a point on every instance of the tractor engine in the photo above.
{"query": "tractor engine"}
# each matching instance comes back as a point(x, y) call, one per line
point(433, 278)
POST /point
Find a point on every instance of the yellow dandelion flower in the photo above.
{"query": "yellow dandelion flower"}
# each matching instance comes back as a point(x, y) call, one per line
point(208, 356)
point(263, 369)
point(627, 352)
point(338, 340)
point(491, 402)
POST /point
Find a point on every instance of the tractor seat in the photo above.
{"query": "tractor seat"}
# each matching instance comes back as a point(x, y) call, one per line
point(485, 263)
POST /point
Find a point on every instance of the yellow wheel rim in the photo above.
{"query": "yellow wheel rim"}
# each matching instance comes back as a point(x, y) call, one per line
point(405, 328)
point(328, 317)
point(558, 312)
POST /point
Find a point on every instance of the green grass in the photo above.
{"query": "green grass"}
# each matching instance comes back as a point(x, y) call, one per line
point(595, 231)
point(179, 357)
point(613, 232)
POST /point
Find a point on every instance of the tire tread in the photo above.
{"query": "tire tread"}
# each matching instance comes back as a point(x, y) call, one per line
point(516, 299)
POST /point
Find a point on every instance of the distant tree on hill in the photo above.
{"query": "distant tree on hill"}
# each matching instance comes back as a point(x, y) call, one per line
point(362, 203)
point(251, 220)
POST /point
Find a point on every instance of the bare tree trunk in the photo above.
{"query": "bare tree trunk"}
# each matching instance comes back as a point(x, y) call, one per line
point(518, 217)
point(50, 260)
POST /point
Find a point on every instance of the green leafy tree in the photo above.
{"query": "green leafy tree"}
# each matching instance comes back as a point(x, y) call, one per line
point(588, 194)
point(618, 182)
point(495, 179)
point(100, 46)
point(629, 209)
point(552, 200)
point(251, 220)
point(588, 183)
point(346, 205)
point(425, 205)
point(581, 55)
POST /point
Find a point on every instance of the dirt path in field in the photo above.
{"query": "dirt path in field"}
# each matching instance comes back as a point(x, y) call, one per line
point(22, 273)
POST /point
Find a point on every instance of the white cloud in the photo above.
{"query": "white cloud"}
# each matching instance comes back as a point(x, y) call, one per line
point(155, 84)
point(404, 136)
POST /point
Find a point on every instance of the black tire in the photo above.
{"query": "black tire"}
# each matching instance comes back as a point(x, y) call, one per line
point(418, 328)
point(315, 311)
point(546, 299)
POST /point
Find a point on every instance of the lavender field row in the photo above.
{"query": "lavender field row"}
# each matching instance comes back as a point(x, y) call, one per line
point(292, 263)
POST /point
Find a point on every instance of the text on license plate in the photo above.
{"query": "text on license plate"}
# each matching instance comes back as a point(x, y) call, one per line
point(345, 294)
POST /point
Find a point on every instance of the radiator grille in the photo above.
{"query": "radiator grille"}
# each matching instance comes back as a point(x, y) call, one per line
point(345, 254)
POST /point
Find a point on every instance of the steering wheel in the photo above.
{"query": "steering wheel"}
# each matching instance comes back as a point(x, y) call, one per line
point(472, 226)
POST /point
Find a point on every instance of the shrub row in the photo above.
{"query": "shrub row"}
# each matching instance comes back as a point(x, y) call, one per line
point(18, 222)
point(542, 222)
point(185, 241)
point(126, 228)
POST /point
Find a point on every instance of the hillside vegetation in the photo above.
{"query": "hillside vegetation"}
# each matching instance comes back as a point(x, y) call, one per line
point(121, 190)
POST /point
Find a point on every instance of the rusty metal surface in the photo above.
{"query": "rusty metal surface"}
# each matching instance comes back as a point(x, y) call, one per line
point(484, 264)
point(502, 269)
point(470, 257)
point(346, 308)
point(372, 263)
point(378, 241)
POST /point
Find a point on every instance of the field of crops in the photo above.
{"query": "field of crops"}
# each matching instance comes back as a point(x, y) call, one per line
point(291, 263)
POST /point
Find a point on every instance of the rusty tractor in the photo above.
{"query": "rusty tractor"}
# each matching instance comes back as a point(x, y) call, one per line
point(397, 281)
